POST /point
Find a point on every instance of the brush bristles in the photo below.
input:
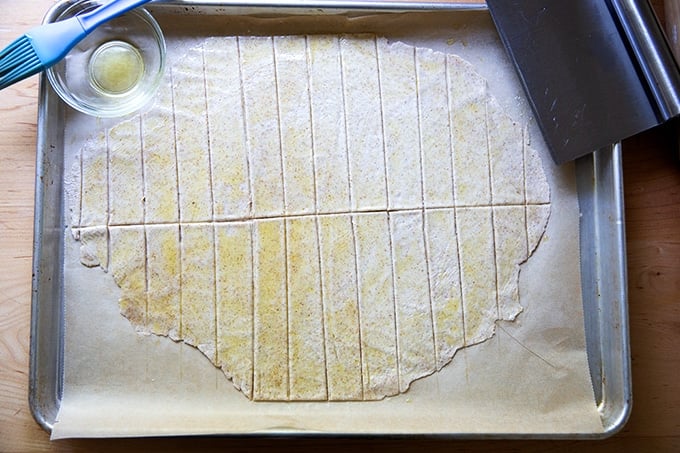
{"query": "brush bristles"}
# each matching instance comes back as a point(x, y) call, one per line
point(18, 61)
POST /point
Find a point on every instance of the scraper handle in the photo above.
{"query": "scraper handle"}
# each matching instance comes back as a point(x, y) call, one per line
point(672, 15)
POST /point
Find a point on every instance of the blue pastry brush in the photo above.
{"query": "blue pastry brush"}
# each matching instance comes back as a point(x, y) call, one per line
point(43, 46)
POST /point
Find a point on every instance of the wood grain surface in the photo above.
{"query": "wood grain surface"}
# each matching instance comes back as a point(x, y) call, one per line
point(652, 198)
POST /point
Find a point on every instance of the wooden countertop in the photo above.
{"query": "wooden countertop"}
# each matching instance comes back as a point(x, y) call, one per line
point(652, 198)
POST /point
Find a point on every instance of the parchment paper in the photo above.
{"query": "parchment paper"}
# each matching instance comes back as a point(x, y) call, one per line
point(531, 378)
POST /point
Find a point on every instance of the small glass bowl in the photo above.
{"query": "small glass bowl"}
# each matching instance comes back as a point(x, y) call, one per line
point(115, 70)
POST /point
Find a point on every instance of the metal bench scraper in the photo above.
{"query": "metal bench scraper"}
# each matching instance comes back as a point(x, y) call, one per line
point(595, 71)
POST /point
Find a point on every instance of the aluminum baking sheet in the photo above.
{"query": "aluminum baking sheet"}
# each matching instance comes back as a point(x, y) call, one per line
point(465, 29)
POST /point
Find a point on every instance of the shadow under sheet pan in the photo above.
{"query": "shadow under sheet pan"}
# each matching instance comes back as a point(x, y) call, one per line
point(58, 378)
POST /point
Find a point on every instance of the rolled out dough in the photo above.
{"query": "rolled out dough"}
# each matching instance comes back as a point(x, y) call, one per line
point(324, 217)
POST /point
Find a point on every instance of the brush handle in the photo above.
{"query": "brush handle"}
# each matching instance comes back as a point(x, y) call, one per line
point(108, 11)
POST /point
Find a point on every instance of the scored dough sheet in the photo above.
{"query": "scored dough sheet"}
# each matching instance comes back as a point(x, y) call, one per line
point(513, 382)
